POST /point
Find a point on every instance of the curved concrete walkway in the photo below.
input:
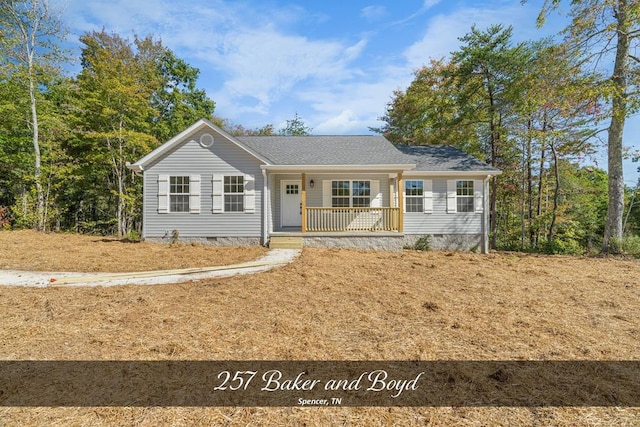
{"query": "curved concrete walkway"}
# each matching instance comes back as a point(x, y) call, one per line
point(273, 258)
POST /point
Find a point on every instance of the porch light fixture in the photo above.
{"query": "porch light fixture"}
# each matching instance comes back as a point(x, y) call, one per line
point(311, 183)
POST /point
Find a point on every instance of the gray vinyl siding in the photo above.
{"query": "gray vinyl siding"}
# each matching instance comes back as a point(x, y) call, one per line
point(441, 222)
point(190, 158)
point(314, 195)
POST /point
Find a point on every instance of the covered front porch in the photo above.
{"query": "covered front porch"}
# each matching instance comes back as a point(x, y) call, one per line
point(340, 203)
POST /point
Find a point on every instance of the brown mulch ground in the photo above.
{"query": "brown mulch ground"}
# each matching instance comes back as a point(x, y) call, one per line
point(329, 304)
point(31, 251)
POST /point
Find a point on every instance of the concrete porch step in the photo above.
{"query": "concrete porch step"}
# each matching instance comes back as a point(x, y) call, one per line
point(285, 242)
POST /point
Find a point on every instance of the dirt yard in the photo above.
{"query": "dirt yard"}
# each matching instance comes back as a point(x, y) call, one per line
point(326, 305)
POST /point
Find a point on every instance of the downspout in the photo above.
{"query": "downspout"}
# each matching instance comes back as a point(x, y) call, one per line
point(265, 207)
point(485, 218)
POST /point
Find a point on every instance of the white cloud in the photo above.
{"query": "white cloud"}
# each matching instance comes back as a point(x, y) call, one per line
point(443, 30)
point(374, 12)
point(426, 5)
point(344, 123)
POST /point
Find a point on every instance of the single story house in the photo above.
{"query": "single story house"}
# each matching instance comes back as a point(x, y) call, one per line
point(325, 191)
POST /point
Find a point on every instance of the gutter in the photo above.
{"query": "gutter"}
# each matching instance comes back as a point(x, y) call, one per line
point(337, 168)
point(136, 167)
point(453, 173)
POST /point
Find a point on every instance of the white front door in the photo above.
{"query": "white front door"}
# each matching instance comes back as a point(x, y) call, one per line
point(291, 203)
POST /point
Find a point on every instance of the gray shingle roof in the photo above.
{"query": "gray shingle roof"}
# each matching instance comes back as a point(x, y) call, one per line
point(325, 150)
point(443, 158)
point(360, 150)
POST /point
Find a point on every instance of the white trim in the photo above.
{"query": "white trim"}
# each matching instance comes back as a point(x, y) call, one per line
point(283, 188)
point(337, 168)
point(326, 193)
point(376, 195)
point(163, 194)
point(483, 174)
point(243, 193)
point(427, 196)
point(194, 194)
point(485, 216)
point(477, 196)
point(427, 202)
point(452, 206)
point(265, 207)
point(217, 195)
point(249, 194)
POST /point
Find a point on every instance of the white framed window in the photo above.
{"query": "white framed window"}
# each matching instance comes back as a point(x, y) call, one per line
point(418, 196)
point(414, 195)
point(292, 189)
point(464, 196)
point(179, 194)
point(345, 194)
point(361, 192)
point(234, 193)
point(340, 194)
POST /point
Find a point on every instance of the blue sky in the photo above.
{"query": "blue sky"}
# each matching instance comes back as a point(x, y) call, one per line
point(335, 63)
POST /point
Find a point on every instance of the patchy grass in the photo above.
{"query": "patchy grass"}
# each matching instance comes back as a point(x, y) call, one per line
point(332, 305)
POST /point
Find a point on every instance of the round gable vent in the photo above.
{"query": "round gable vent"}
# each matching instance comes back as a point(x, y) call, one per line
point(206, 140)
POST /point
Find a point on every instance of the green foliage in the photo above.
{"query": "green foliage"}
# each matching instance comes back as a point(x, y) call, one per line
point(423, 243)
point(607, 32)
point(295, 127)
point(567, 240)
point(631, 245)
point(528, 110)
point(239, 130)
point(23, 212)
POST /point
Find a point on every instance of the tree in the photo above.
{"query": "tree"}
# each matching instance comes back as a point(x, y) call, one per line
point(295, 127)
point(527, 109)
point(176, 100)
point(239, 130)
point(29, 30)
point(599, 29)
point(115, 122)
point(428, 111)
point(489, 72)
point(132, 95)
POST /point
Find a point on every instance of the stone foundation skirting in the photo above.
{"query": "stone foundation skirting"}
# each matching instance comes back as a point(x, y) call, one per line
point(453, 242)
point(211, 241)
point(387, 242)
point(369, 243)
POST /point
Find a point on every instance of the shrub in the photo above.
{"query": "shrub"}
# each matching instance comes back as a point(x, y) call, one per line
point(631, 246)
point(175, 236)
point(5, 220)
point(422, 244)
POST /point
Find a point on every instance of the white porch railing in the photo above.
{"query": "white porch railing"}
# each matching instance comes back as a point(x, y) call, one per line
point(352, 219)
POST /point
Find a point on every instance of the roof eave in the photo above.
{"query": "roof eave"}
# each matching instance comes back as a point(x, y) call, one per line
point(452, 172)
point(339, 168)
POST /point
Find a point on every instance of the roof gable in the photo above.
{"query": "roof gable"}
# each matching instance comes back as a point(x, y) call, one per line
point(168, 146)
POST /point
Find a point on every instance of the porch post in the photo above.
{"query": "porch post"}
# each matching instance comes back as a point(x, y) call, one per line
point(400, 203)
point(304, 203)
point(265, 207)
